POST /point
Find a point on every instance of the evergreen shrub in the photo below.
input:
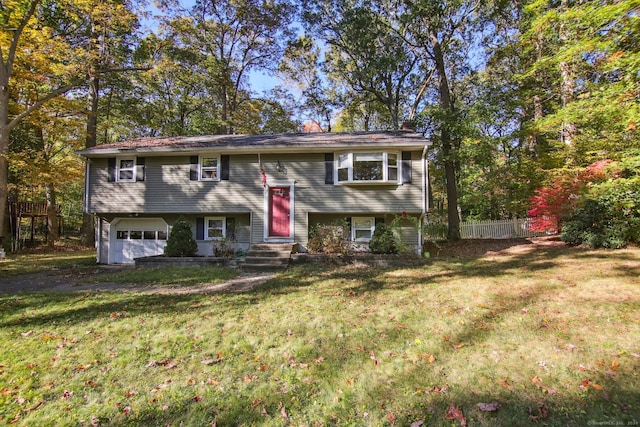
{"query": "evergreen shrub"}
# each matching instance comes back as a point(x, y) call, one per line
point(181, 242)
point(383, 240)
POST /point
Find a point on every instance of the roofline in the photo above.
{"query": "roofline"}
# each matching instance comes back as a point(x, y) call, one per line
point(297, 143)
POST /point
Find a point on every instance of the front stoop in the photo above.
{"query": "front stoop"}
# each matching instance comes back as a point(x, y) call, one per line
point(268, 257)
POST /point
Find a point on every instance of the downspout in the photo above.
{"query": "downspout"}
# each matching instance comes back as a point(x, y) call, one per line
point(99, 243)
point(425, 196)
point(85, 209)
point(85, 202)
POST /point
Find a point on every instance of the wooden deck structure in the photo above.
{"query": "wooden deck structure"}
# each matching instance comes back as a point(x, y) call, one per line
point(32, 211)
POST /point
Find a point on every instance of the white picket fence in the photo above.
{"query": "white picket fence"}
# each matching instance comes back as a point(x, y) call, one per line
point(500, 229)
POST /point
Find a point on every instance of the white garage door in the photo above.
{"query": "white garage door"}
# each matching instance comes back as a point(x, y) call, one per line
point(135, 238)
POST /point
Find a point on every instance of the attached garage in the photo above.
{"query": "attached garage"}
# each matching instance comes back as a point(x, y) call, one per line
point(133, 238)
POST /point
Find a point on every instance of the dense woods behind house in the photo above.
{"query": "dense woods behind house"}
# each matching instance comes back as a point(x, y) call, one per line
point(533, 106)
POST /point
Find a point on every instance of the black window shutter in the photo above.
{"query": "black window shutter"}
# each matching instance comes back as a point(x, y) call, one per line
point(379, 220)
point(231, 229)
point(193, 171)
point(224, 167)
point(140, 165)
point(328, 168)
point(199, 228)
point(406, 167)
point(111, 169)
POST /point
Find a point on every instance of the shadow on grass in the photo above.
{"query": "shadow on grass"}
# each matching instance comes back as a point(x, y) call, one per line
point(30, 309)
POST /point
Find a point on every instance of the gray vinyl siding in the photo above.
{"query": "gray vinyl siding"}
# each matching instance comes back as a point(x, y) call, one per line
point(167, 191)
point(167, 188)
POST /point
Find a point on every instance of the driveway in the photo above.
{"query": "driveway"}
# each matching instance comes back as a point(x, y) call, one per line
point(74, 280)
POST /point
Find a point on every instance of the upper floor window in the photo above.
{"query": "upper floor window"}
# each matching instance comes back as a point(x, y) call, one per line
point(209, 168)
point(126, 169)
point(369, 167)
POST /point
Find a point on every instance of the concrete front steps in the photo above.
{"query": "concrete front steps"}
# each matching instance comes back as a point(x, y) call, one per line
point(263, 257)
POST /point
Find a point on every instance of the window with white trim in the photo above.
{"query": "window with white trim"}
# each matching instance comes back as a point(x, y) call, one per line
point(209, 168)
point(215, 228)
point(362, 228)
point(367, 167)
point(126, 169)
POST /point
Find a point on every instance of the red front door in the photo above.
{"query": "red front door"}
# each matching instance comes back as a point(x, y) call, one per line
point(279, 212)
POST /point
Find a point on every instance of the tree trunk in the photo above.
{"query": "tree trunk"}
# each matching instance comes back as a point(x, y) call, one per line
point(88, 226)
point(538, 110)
point(52, 216)
point(567, 80)
point(448, 153)
point(4, 164)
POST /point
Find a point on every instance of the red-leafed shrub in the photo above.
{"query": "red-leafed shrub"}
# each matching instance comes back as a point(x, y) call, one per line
point(550, 204)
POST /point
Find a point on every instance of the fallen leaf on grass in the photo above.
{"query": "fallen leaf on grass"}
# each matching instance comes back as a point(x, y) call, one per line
point(417, 423)
point(428, 357)
point(543, 413)
point(505, 383)
point(168, 363)
point(248, 378)
point(585, 383)
point(615, 365)
point(454, 413)
point(489, 407)
point(212, 361)
point(436, 389)
point(283, 411)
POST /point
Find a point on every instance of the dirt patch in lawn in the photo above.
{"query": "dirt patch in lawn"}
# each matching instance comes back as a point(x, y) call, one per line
point(495, 247)
point(84, 280)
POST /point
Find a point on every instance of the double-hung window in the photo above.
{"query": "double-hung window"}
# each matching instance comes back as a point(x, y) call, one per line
point(209, 168)
point(215, 228)
point(362, 228)
point(367, 167)
point(126, 171)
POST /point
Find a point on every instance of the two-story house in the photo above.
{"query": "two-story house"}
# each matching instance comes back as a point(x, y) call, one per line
point(250, 189)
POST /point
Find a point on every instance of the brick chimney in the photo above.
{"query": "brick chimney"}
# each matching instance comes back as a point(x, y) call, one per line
point(408, 126)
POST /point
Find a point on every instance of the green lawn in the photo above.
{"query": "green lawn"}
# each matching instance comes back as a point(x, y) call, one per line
point(15, 265)
point(550, 334)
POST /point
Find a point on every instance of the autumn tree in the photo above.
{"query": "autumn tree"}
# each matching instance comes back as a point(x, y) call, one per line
point(589, 51)
point(366, 56)
point(108, 34)
point(42, 161)
point(224, 42)
point(301, 67)
point(439, 33)
point(37, 64)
